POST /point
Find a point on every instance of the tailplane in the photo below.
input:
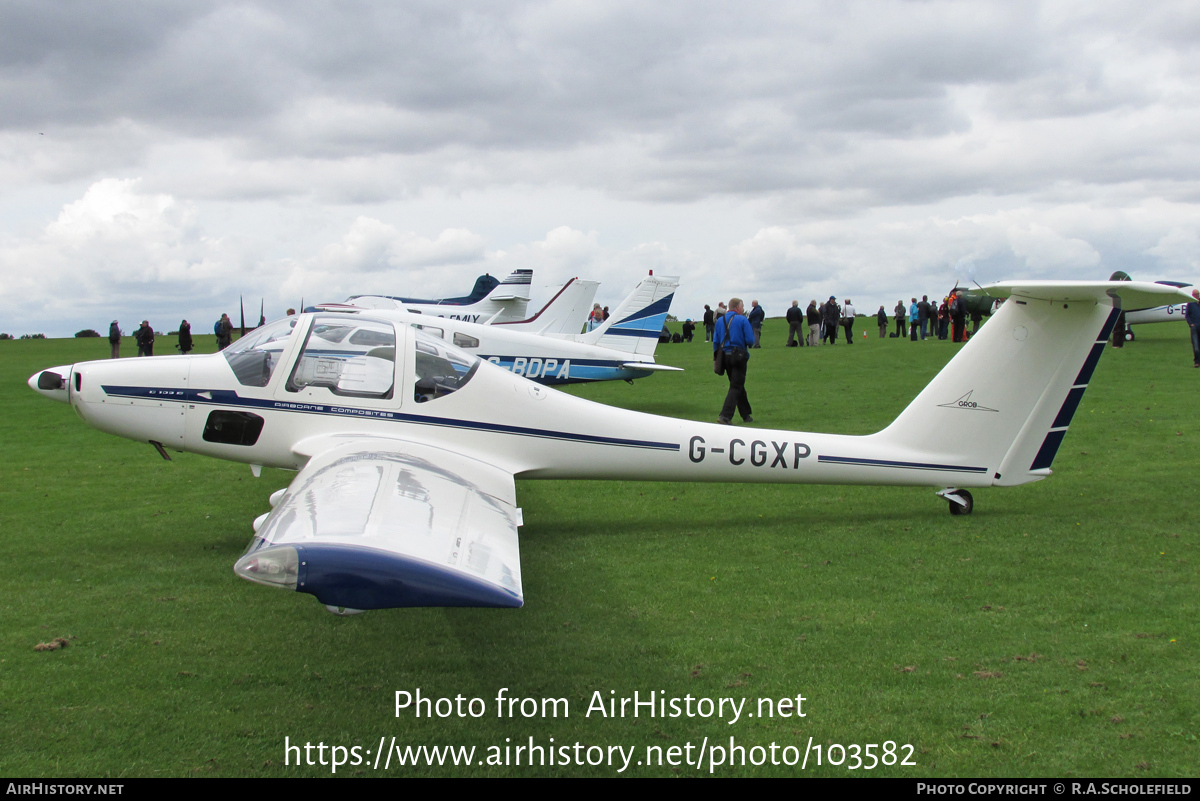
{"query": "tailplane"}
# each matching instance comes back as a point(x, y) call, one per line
point(515, 287)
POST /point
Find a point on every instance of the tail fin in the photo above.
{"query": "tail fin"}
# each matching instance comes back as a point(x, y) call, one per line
point(565, 313)
point(1004, 402)
point(635, 325)
point(515, 287)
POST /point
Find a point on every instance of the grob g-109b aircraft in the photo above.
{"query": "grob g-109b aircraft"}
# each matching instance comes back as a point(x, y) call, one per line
point(408, 447)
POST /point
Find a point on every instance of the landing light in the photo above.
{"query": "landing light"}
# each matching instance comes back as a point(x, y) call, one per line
point(275, 567)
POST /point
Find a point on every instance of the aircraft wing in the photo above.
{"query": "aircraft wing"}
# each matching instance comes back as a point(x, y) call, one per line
point(373, 523)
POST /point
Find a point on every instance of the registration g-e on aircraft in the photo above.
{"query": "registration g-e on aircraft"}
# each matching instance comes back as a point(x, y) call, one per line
point(408, 447)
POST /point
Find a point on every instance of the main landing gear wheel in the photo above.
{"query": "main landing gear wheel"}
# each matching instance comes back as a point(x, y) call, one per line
point(961, 502)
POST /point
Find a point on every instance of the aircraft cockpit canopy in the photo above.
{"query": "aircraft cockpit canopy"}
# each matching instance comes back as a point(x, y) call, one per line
point(351, 356)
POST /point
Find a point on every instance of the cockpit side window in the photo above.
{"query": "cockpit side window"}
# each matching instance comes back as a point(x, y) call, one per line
point(255, 356)
point(441, 368)
point(433, 331)
point(352, 357)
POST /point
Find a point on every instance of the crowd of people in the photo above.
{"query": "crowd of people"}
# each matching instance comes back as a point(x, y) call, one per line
point(734, 333)
point(821, 322)
point(144, 336)
point(945, 321)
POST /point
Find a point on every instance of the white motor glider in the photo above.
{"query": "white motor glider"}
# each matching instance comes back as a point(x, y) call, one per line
point(408, 447)
point(490, 300)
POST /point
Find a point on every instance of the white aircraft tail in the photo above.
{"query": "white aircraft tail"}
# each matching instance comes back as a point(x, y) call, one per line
point(565, 313)
point(515, 287)
point(1003, 404)
point(636, 324)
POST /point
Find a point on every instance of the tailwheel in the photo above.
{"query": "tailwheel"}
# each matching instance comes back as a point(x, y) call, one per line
point(961, 502)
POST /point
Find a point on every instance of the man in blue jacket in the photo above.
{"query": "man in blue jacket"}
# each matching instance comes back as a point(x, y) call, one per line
point(1191, 313)
point(734, 336)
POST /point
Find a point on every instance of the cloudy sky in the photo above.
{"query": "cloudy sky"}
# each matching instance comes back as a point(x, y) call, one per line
point(157, 159)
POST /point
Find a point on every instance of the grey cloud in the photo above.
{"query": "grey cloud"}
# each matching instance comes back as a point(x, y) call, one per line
point(696, 98)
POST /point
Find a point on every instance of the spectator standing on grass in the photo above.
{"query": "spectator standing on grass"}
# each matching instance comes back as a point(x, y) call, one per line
point(848, 321)
point(595, 318)
point(224, 330)
point(814, 324)
point(1191, 313)
point(831, 317)
point(709, 320)
point(756, 317)
point(185, 338)
point(901, 319)
point(144, 337)
point(881, 318)
point(114, 339)
point(795, 319)
point(958, 317)
point(913, 314)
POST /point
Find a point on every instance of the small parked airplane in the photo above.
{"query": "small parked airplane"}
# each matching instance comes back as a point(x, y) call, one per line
point(408, 447)
point(1163, 313)
point(565, 313)
point(491, 300)
point(621, 348)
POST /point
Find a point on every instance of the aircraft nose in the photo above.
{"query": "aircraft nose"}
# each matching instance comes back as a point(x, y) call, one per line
point(52, 383)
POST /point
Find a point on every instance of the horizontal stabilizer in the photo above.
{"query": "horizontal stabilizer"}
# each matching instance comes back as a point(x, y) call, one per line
point(515, 287)
point(658, 368)
point(1133, 294)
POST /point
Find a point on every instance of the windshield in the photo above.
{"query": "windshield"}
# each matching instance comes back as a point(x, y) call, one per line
point(255, 356)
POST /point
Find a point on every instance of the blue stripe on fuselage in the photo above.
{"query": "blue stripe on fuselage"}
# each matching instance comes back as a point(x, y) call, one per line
point(229, 398)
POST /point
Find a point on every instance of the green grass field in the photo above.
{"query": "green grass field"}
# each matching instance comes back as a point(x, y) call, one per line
point(1052, 633)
